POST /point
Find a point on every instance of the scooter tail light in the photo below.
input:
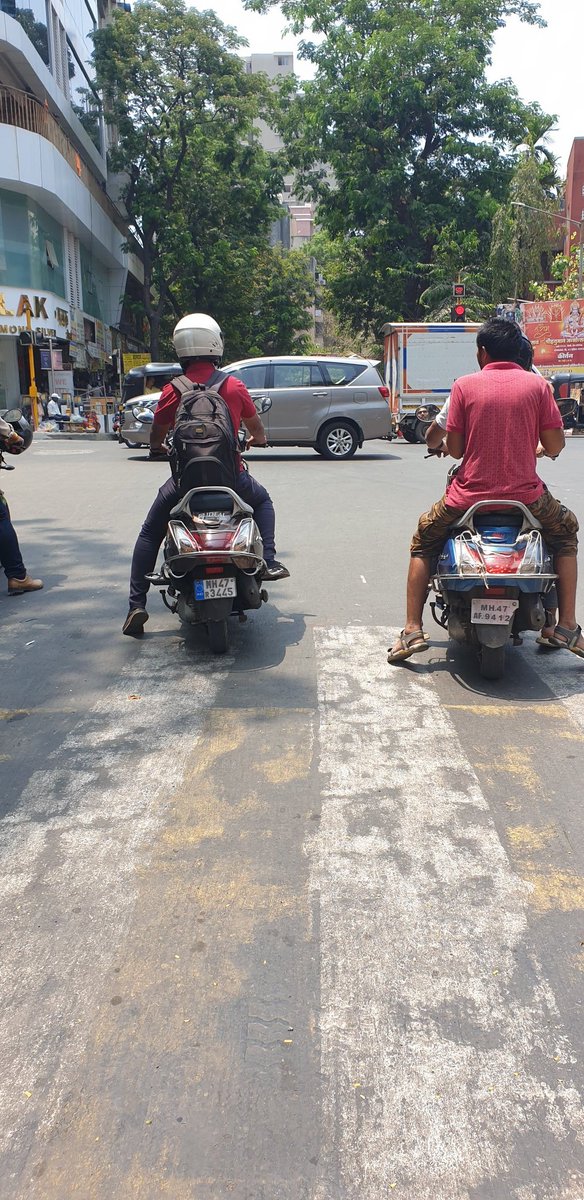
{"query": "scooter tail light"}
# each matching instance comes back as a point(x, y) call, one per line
point(243, 537)
point(182, 538)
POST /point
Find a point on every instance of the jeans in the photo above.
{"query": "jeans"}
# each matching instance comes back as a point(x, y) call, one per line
point(154, 528)
point(10, 556)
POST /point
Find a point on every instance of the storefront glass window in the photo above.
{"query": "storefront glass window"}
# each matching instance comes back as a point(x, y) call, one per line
point(32, 15)
point(31, 245)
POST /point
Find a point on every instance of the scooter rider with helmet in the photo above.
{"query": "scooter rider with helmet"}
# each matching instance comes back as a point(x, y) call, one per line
point(198, 342)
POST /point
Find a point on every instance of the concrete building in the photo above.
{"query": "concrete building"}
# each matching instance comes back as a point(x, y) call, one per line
point(63, 270)
point(296, 226)
point(574, 194)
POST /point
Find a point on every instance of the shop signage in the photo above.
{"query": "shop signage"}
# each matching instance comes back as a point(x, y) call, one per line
point(62, 382)
point(76, 326)
point(48, 314)
point(57, 363)
point(556, 329)
point(135, 360)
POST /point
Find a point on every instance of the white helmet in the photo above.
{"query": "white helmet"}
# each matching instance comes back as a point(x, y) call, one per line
point(197, 336)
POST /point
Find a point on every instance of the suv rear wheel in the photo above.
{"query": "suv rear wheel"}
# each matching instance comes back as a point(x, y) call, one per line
point(337, 440)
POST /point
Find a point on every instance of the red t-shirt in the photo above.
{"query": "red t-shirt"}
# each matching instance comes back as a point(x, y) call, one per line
point(233, 391)
point(501, 412)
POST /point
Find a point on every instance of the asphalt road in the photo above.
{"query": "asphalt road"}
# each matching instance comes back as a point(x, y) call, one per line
point(291, 924)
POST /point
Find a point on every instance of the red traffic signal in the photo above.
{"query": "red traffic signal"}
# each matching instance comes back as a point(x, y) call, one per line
point(458, 289)
point(458, 312)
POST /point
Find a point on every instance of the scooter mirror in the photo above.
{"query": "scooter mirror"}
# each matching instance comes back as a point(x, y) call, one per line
point(144, 415)
point(13, 414)
point(263, 404)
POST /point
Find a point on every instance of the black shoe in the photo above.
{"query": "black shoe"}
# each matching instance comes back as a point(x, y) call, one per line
point(135, 621)
point(275, 570)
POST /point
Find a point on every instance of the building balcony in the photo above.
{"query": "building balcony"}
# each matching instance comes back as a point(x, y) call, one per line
point(22, 111)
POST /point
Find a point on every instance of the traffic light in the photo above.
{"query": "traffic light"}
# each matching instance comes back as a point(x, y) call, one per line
point(26, 338)
point(458, 312)
point(458, 290)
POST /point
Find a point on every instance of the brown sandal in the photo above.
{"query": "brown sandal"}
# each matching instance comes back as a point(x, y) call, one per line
point(410, 643)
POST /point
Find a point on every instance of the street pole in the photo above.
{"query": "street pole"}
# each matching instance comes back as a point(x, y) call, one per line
point(32, 390)
point(51, 367)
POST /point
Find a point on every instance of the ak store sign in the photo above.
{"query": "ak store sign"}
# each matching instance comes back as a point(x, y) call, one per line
point(49, 314)
point(556, 330)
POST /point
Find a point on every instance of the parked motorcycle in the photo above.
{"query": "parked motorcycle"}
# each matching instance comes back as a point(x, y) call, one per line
point(213, 557)
point(492, 580)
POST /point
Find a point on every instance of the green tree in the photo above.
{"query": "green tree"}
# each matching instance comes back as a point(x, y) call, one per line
point(455, 260)
point(524, 233)
point(564, 276)
point(414, 135)
point(199, 191)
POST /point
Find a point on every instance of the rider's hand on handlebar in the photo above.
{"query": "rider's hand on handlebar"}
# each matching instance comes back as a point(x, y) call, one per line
point(251, 441)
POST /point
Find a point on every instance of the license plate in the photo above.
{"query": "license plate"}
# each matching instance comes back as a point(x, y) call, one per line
point(492, 612)
point(215, 589)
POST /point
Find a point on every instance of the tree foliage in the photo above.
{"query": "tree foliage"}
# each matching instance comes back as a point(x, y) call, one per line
point(415, 136)
point(524, 233)
point(456, 259)
point(199, 191)
point(565, 276)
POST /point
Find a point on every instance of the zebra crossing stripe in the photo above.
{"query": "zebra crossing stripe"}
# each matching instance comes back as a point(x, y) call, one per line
point(444, 1065)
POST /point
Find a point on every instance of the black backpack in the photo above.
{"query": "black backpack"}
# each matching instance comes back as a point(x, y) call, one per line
point(204, 450)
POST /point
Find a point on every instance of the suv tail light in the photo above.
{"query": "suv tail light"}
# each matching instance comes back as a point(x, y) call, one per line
point(384, 391)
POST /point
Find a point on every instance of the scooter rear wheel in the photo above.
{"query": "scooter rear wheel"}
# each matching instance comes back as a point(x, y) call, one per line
point(492, 662)
point(218, 637)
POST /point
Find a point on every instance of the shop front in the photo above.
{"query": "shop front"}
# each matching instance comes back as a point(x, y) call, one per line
point(42, 320)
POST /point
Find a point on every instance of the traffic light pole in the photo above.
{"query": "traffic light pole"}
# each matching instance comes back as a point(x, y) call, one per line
point(32, 390)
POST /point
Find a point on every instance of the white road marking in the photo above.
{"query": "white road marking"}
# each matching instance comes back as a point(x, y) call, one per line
point(439, 1065)
point(63, 449)
point(363, 579)
point(68, 853)
point(563, 673)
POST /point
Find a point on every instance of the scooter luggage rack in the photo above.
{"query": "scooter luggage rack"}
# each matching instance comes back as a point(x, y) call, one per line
point(183, 507)
point(498, 506)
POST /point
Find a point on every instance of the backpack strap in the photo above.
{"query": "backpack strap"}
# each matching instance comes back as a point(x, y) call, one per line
point(183, 384)
point(217, 378)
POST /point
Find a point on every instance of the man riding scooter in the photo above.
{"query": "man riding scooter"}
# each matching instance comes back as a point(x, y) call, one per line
point(198, 342)
point(496, 420)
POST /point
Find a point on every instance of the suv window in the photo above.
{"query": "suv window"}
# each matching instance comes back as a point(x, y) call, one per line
point(339, 373)
point(252, 377)
point(296, 375)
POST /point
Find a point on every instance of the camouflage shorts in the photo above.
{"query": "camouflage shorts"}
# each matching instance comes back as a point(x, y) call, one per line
point(559, 526)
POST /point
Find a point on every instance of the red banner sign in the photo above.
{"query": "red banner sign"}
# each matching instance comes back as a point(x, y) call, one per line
point(556, 330)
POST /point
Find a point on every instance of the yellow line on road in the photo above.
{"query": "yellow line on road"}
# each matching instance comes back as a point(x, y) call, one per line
point(556, 711)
